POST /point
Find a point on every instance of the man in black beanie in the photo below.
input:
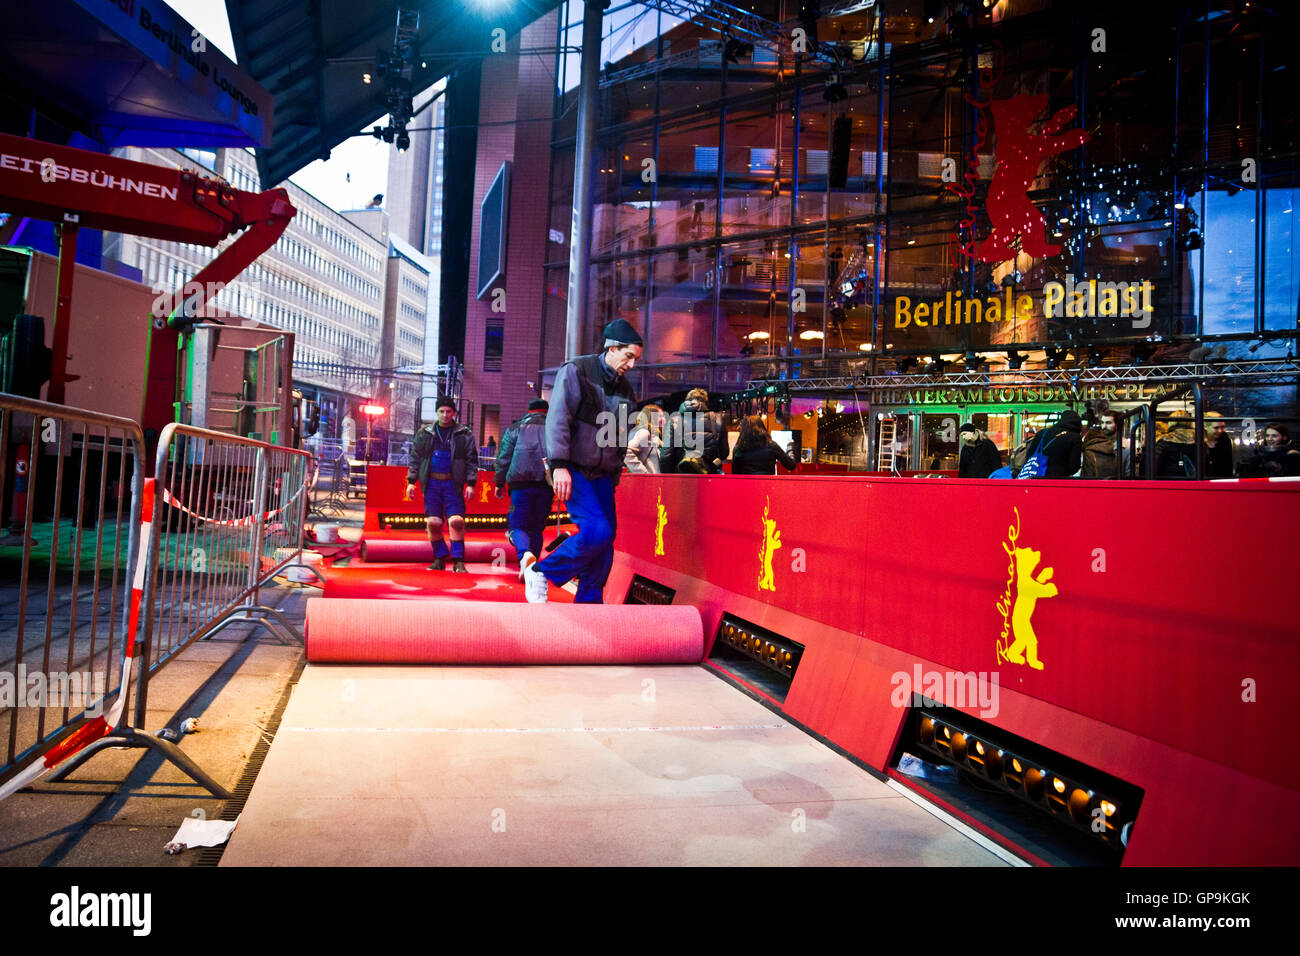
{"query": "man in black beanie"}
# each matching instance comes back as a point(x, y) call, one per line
point(444, 462)
point(521, 464)
point(1062, 445)
point(586, 440)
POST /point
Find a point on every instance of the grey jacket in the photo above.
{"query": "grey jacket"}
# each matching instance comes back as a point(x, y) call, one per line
point(590, 414)
point(464, 456)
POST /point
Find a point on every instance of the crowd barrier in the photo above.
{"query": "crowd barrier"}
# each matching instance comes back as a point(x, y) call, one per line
point(221, 516)
point(69, 485)
point(1141, 630)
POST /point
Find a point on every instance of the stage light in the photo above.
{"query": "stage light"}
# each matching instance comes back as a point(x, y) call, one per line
point(1015, 360)
point(906, 365)
point(1034, 784)
point(927, 731)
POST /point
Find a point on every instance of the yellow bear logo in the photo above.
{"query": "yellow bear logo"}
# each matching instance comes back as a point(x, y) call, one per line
point(660, 523)
point(767, 551)
point(1018, 612)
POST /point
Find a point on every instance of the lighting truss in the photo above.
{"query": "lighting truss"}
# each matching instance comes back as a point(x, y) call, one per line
point(1259, 372)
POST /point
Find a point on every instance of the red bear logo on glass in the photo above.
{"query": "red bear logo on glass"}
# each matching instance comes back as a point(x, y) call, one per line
point(1020, 153)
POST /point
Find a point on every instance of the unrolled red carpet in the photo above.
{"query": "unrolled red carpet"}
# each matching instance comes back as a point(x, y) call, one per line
point(473, 632)
point(417, 550)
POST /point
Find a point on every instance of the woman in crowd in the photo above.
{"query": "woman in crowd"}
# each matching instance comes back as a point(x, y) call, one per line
point(755, 452)
point(1276, 457)
point(643, 444)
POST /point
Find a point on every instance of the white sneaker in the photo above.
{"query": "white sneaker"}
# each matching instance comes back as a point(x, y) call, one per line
point(535, 585)
point(525, 562)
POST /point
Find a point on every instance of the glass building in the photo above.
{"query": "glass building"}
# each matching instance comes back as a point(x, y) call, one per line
point(822, 200)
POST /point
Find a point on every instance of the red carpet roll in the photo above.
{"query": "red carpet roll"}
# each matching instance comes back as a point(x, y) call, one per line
point(418, 550)
point(412, 582)
point(475, 632)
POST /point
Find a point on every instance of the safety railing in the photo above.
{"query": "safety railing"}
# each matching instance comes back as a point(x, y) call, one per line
point(69, 485)
point(229, 514)
point(221, 517)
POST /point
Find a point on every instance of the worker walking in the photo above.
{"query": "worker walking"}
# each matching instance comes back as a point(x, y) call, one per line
point(586, 439)
point(444, 462)
point(521, 465)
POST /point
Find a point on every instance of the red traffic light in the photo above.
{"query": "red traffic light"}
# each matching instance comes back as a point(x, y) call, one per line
point(373, 409)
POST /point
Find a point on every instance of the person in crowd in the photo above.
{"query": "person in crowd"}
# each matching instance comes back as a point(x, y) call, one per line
point(444, 462)
point(521, 466)
point(1277, 457)
point(645, 441)
point(696, 442)
point(1062, 445)
point(491, 446)
point(1098, 450)
point(590, 391)
point(756, 453)
point(1021, 451)
point(1218, 447)
point(1176, 448)
point(979, 456)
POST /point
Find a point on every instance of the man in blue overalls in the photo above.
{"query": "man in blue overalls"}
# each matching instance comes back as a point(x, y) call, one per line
point(444, 462)
point(586, 440)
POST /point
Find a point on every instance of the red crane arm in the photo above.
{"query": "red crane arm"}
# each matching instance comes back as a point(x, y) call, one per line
point(77, 187)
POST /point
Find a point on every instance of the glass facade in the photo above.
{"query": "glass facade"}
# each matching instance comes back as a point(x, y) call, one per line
point(1060, 182)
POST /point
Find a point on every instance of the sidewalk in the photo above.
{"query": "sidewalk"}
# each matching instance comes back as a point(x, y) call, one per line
point(122, 806)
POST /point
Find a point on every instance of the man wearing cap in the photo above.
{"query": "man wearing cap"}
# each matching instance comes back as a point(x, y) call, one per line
point(979, 457)
point(521, 464)
point(586, 439)
point(444, 462)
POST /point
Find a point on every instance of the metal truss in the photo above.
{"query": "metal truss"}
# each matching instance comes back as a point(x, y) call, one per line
point(741, 24)
point(1259, 372)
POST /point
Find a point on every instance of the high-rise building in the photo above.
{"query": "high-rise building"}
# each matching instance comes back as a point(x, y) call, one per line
point(325, 280)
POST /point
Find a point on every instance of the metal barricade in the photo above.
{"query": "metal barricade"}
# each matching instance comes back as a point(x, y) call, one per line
point(229, 514)
point(70, 483)
point(222, 516)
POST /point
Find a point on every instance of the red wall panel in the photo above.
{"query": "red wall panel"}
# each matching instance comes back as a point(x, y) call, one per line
point(1164, 598)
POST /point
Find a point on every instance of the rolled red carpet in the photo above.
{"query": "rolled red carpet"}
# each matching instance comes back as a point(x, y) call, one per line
point(471, 632)
point(403, 582)
point(416, 550)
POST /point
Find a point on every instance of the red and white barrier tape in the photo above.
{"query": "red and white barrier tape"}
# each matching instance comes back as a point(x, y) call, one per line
point(97, 727)
point(235, 522)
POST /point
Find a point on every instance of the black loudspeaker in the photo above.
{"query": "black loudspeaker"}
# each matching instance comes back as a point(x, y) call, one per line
point(26, 365)
point(841, 134)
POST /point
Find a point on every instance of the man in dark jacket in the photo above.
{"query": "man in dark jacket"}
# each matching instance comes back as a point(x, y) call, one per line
point(1218, 447)
point(521, 464)
point(979, 455)
point(1062, 445)
point(696, 443)
point(586, 439)
point(1098, 449)
point(444, 462)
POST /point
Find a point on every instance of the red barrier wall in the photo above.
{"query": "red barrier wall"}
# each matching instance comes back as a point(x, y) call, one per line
point(386, 490)
point(1167, 604)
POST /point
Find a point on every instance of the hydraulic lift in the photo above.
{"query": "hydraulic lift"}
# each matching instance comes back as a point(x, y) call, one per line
point(76, 188)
